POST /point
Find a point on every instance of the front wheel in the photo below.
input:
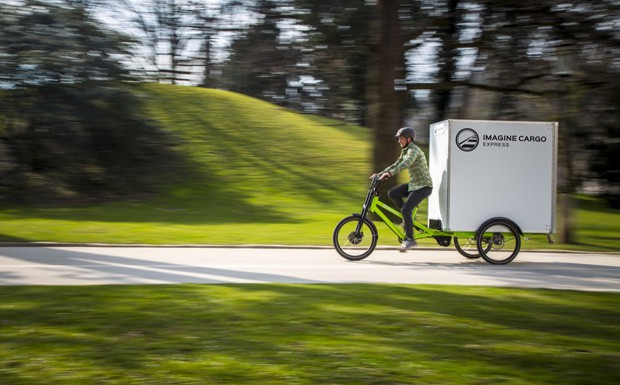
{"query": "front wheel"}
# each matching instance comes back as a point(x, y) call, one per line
point(355, 238)
point(499, 241)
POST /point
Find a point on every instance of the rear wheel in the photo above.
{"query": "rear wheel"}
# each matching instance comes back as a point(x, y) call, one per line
point(499, 241)
point(467, 247)
point(352, 244)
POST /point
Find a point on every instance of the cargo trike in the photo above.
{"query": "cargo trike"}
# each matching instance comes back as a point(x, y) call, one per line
point(493, 181)
point(497, 241)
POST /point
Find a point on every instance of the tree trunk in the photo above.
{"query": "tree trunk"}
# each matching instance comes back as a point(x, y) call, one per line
point(387, 91)
point(448, 55)
point(567, 230)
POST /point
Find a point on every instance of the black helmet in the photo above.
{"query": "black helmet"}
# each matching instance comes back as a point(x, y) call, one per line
point(407, 132)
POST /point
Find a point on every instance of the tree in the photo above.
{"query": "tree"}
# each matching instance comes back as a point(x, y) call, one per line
point(68, 129)
point(45, 44)
point(519, 49)
point(207, 20)
point(386, 82)
point(337, 54)
point(163, 30)
point(448, 35)
point(260, 63)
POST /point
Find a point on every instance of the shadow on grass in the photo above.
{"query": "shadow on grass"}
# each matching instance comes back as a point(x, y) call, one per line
point(209, 200)
point(593, 204)
point(600, 243)
point(362, 334)
point(9, 239)
point(213, 203)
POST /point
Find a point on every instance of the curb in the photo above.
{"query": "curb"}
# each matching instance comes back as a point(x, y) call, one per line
point(262, 246)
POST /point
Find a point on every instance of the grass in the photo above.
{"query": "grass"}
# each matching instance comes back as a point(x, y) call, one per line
point(598, 226)
point(255, 174)
point(307, 334)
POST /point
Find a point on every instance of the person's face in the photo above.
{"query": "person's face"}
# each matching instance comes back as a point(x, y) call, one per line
point(403, 141)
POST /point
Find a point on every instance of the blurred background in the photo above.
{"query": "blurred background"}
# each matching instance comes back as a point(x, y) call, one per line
point(71, 124)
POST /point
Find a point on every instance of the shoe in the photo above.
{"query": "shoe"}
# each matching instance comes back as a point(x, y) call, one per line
point(407, 244)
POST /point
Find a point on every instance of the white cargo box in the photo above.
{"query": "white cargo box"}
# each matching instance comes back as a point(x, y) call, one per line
point(485, 169)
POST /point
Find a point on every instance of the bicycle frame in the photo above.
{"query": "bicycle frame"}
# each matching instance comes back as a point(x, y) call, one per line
point(374, 205)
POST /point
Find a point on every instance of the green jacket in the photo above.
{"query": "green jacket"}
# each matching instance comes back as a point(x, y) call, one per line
point(413, 159)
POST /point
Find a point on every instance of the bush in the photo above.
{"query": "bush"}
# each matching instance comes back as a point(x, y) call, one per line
point(70, 142)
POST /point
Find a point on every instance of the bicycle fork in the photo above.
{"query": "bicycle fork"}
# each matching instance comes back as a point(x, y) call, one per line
point(365, 208)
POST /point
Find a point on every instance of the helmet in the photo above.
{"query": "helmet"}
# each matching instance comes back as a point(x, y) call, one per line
point(407, 132)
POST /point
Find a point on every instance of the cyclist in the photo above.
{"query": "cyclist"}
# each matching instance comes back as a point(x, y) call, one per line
point(420, 183)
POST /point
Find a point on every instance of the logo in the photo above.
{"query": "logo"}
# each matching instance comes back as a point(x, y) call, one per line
point(467, 140)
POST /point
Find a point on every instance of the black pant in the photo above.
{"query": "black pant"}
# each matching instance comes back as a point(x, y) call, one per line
point(397, 195)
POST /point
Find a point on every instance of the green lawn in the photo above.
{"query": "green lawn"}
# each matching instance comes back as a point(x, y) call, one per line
point(150, 222)
point(307, 334)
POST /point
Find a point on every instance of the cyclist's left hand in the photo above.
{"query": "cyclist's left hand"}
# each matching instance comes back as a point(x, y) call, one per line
point(382, 176)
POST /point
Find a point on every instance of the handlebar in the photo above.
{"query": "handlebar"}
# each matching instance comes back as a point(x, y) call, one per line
point(377, 178)
point(374, 182)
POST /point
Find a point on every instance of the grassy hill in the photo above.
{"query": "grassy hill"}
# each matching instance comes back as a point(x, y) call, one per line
point(253, 173)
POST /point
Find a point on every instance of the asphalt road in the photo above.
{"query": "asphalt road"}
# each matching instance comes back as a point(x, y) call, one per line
point(215, 265)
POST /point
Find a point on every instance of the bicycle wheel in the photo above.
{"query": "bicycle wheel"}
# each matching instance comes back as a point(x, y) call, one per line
point(353, 245)
point(468, 249)
point(498, 241)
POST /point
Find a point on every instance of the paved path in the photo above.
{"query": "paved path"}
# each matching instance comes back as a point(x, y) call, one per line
point(168, 265)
